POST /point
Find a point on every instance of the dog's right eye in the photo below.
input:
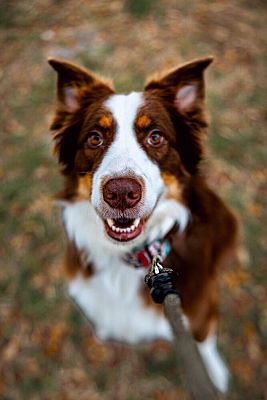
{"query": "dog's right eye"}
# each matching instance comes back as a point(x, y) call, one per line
point(94, 140)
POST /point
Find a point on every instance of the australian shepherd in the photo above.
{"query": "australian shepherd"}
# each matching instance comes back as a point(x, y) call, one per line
point(134, 188)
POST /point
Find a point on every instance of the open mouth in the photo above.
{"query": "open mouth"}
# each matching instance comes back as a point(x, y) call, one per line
point(124, 229)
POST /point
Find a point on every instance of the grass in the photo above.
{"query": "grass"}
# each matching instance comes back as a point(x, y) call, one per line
point(47, 349)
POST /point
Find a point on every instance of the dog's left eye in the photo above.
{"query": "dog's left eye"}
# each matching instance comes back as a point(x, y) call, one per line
point(94, 140)
point(155, 138)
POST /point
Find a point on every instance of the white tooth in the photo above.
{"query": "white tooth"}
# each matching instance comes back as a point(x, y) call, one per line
point(136, 222)
point(117, 229)
point(110, 222)
point(132, 228)
point(128, 230)
point(113, 228)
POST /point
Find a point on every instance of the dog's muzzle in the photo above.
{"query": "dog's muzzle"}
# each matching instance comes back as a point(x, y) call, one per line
point(123, 197)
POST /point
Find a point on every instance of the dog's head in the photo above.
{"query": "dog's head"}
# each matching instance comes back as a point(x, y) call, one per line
point(125, 152)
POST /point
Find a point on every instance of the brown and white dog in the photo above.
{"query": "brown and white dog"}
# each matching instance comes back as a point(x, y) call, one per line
point(131, 167)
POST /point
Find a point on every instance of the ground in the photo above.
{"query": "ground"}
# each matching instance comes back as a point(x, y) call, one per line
point(47, 350)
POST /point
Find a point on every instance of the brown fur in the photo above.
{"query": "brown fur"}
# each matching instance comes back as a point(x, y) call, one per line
point(106, 121)
point(84, 187)
point(75, 261)
point(175, 189)
point(199, 255)
point(71, 126)
point(143, 121)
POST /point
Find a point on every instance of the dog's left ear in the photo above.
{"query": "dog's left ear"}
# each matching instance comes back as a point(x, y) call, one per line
point(184, 86)
point(182, 90)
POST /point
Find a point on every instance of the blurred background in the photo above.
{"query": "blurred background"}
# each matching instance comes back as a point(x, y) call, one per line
point(47, 350)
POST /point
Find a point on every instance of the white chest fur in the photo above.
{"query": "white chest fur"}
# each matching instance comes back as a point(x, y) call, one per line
point(111, 298)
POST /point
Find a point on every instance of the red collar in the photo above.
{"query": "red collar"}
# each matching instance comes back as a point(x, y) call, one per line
point(142, 257)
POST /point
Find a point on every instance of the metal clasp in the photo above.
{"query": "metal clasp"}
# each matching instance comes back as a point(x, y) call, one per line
point(156, 266)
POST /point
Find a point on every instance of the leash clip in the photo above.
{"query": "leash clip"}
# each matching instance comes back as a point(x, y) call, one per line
point(156, 266)
point(160, 280)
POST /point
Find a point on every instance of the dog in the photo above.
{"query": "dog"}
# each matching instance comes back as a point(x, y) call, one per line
point(134, 188)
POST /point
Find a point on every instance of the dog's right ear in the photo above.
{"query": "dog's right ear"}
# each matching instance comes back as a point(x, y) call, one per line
point(76, 85)
point(77, 89)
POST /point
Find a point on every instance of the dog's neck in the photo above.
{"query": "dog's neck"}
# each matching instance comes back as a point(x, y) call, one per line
point(86, 230)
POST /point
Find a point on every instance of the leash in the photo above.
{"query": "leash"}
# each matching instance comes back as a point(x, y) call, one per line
point(160, 282)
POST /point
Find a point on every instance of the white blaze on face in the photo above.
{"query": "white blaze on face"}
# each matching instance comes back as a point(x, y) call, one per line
point(125, 155)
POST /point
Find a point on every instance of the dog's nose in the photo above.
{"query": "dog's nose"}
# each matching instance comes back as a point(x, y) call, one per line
point(122, 193)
